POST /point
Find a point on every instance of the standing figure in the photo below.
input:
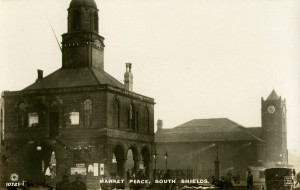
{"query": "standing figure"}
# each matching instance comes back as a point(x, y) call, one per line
point(131, 184)
point(298, 179)
point(249, 180)
point(77, 184)
point(64, 184)
point(228, 180)
point(167, 176)
point(128, 175)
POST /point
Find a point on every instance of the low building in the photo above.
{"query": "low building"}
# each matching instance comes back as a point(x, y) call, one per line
point(200, 144)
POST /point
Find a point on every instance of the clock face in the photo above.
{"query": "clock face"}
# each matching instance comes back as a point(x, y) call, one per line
point(271, 109)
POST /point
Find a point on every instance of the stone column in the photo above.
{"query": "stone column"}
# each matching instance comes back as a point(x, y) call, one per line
point(121, 163)
point(136, 166)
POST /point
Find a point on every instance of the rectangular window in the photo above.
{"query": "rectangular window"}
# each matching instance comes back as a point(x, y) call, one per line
point(74, 118)
point(33, 119)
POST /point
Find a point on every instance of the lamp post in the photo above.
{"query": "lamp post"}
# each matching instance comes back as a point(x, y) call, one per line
point(166, 158)
point(154, 158)
point(217, 163)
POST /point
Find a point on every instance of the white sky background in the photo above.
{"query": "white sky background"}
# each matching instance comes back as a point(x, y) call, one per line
point(197, 58)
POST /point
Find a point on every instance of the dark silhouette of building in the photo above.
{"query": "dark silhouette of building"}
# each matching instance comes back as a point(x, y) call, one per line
point(79, 119)
point(195, 144)
point(274, 130)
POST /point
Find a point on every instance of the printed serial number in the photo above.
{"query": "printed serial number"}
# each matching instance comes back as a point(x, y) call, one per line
point(13, 184)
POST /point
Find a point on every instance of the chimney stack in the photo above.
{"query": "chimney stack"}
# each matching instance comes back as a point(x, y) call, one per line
point(128, 77)
point(40, 74)
point(159, 124)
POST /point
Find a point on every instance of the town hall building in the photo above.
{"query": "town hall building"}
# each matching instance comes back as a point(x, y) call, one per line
point(79, 120)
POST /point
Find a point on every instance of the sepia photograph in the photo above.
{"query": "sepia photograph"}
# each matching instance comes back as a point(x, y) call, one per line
point(148, 94)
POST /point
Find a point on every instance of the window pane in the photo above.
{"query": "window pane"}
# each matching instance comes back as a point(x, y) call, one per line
point(33, 119)
point(74, 118)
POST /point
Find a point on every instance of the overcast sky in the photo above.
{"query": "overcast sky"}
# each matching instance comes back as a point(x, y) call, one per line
point(196, 58)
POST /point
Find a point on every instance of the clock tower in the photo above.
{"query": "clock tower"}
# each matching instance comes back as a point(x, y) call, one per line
point(273, 113)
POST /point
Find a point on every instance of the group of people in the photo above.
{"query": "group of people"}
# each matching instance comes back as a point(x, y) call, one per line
point(226, 181)
point(65, 184)
point(132, 176)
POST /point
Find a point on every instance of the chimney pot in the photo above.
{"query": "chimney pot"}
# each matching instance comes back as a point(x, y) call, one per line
point(40, 74)
point(128, 78)
point(159, 124)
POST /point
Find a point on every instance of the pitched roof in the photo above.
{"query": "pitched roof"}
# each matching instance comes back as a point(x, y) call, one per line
point(73, 77)
point(217, 129)
point(273, 96)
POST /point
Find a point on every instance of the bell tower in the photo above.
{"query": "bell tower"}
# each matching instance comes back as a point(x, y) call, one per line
point(82, 46)
point(273, 113)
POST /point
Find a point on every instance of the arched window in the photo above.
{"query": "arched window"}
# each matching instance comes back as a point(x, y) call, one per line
point(147, 119)
point(136, 120)
point(96, 21)
point(131, 117)
point(87, 112)
point(116, 114)
point(22, 115)
point(76, 20)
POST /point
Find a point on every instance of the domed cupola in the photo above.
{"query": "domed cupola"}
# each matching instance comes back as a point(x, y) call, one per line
point(83, 16)
point(83, 3)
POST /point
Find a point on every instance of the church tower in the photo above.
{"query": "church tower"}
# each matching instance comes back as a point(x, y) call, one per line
point(82, 46)
point(273, 112)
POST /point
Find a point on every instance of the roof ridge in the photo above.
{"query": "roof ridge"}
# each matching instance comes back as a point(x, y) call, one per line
point(219, 118)
point(47, 76)
point(109, 77)
point(244, 129)
point(94, 75)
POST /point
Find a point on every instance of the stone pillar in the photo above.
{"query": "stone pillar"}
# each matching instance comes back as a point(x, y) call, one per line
point(121, 163)
point(148, 169)
point(136, 166)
